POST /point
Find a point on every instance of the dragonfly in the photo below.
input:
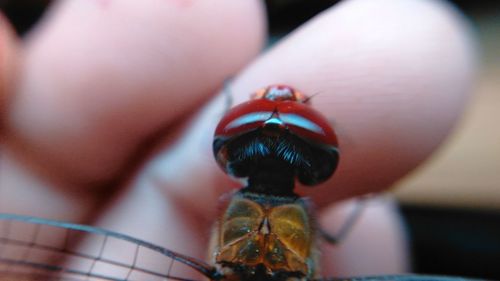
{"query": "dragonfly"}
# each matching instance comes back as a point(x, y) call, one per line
point(264, 232)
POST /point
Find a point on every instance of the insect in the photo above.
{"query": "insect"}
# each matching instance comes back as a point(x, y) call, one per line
point(264, 232)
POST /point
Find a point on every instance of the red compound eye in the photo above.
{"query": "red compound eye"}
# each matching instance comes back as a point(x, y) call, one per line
point(277, 124)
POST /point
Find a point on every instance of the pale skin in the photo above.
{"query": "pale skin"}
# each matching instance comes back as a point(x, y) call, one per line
point(108, 110)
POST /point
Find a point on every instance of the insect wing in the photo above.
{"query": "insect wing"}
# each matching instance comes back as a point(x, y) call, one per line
point(409, 277)
point(40, 249)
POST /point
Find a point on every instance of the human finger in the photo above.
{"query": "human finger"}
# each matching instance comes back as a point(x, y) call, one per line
point(125, 71)
point(384, 74)
point(394, 92)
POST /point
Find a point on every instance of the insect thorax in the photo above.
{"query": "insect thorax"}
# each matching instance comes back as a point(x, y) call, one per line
point(265, 237)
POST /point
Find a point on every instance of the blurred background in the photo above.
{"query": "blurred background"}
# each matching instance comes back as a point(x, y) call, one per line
point(452, 203)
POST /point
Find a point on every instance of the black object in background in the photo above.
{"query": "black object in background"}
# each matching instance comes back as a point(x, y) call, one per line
point(454, 241)
point(23, 14)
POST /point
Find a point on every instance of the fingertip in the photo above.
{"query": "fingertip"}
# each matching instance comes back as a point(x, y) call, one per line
point(394, 75)
point(126, 71)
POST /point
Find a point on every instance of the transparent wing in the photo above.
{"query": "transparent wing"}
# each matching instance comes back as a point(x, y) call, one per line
point(409, 277)
point(40, 249)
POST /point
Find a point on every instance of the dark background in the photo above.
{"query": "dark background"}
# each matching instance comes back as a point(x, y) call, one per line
point(445, 240)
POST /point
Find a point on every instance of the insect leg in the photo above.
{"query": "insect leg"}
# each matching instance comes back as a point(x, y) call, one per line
point(228, 95)
point(348, 224)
